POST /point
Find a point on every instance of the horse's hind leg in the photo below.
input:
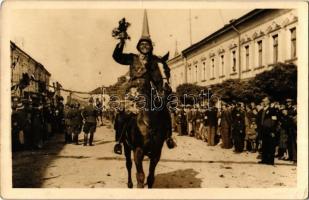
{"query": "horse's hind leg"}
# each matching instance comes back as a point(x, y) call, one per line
point(152, 166)
point(138, 159)
point(127, 152)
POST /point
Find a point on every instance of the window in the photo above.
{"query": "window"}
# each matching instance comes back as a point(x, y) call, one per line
point(275, 48)
point(204, 71)
point(190, 79)
point(260, 53)
point(195, 73)
point(247, 56)
point(293, 42)
point(222, 65)
point(233, 61)
point(213, 68)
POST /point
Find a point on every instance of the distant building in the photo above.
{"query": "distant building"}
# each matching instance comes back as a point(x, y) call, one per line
point(241, 49)
point(21, 62)
point(118, 89)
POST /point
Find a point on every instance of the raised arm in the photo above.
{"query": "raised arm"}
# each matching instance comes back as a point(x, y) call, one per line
point(120, 57)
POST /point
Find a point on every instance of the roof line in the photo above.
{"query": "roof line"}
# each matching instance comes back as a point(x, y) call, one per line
point(15, 46)
point(223, 29)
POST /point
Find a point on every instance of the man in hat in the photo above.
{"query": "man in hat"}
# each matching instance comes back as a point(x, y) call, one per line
point(76, 122)
point(238, 127)
point(148, 72)
point(68, 123)
point(37, 121)
point(226, 120)
point(212, 123)
point(292, 130)
point(89, 115)
point(98, 106)
point(17, 123)
point(269, 122)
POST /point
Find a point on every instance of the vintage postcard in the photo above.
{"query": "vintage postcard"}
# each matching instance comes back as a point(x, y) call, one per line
point(154, 100)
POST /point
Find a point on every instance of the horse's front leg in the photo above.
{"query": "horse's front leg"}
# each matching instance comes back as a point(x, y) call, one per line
point(127, 152)
point(152, 166)
point(138, 159)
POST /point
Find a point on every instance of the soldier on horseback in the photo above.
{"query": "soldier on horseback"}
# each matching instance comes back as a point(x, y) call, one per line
point(149, 74)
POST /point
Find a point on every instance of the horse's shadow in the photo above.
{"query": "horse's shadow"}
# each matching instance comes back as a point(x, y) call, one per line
point(100, 142)
point(178, 179)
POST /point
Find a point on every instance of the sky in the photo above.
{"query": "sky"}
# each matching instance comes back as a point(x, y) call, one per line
point(76, 45)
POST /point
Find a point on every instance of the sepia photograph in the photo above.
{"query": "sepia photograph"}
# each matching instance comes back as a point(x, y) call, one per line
point(187, 100)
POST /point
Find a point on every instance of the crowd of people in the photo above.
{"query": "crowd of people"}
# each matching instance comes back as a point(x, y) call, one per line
point(269, 128)
point(35, 119)
point(84, 119)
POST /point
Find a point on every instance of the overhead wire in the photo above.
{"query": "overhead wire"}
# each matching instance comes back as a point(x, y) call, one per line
point(222, 18)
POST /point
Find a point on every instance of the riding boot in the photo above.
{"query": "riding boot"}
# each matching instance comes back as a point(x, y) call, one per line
point(169, 140)
point(85, 139)
point(91, 139)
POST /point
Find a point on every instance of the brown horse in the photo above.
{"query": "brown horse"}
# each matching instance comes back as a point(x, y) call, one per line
point(143, 141)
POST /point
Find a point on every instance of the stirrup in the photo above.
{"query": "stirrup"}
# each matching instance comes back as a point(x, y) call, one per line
point(118, 148)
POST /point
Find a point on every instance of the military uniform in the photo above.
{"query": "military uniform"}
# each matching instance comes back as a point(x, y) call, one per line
point(143, 69)
point(201, 130)
point(68, 124)
point(15, 130)
point(238, 128)
point(37, 124)
point(89, 115)
point(77, 122)
point(212, 124)
point(225, 124)
point(145, 75)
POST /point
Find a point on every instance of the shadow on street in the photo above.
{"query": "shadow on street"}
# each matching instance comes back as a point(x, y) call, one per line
point(178, 179)
point(100, 142)
point(29, 166)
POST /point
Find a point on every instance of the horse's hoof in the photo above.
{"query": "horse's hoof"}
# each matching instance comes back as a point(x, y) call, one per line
point(130, 185)
point(149, 184)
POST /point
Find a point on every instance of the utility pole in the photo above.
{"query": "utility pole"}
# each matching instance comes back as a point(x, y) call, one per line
point(102, 100)
point(190, 27)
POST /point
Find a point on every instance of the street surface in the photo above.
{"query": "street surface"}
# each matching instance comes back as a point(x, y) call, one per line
point(192, 164)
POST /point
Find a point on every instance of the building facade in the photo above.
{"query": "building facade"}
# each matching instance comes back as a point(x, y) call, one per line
point(241, 49)
point(22, 63)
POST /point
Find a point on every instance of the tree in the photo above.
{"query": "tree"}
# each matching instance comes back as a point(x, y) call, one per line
point(188, 92)
point(279, 83)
